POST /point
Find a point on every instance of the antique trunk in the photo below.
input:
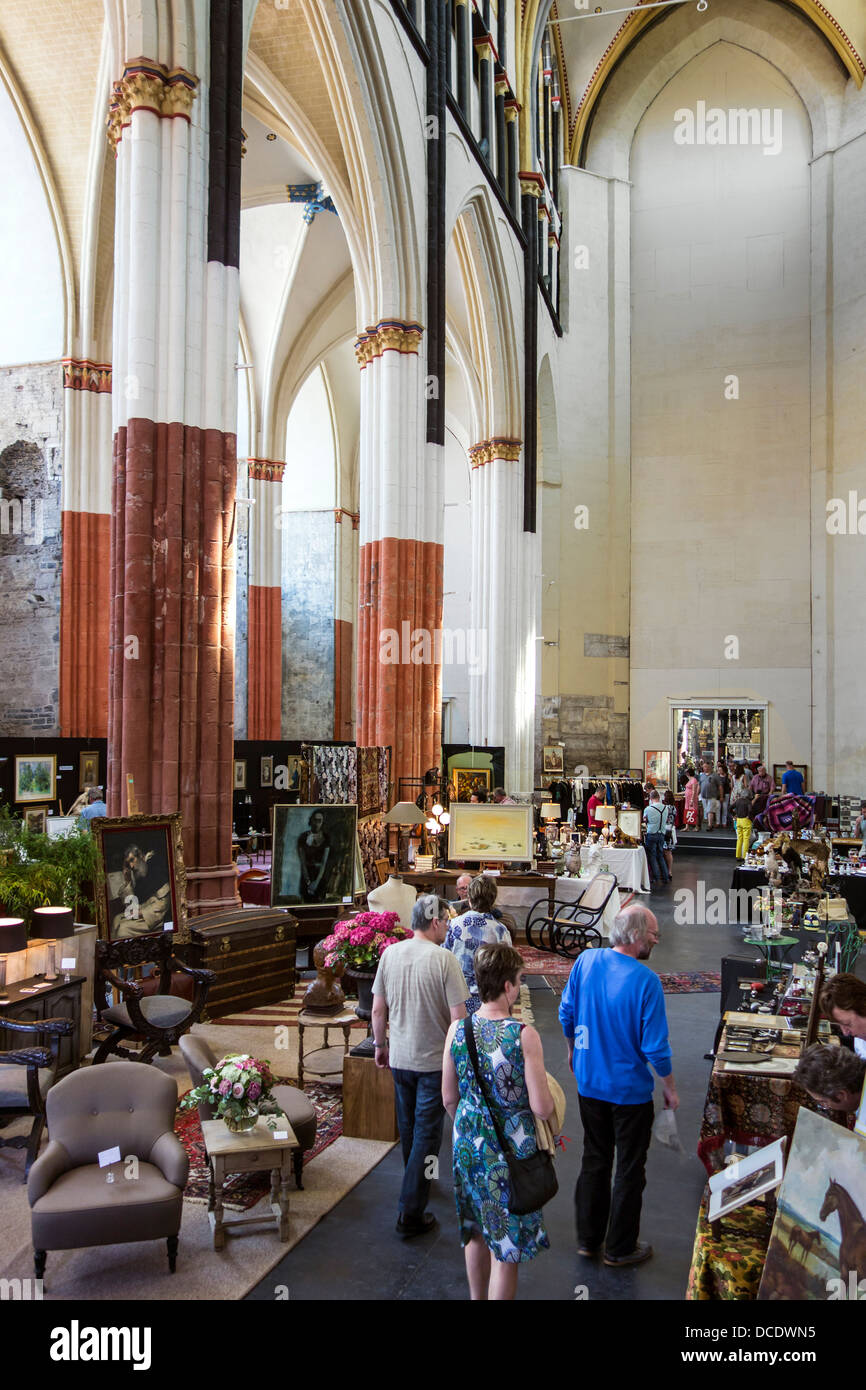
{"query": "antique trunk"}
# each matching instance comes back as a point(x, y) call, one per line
point(252, 951)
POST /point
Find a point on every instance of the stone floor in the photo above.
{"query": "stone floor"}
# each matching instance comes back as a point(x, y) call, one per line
point(354, 1252)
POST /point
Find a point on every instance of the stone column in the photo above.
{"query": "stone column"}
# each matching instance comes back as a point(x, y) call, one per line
point(512, 111)
point(484, 49)
point(345, 607)
point(400, 561)
point(86, 529)
point(171, 690)
point(464, 21)
point(264, 621)
point(501, 87)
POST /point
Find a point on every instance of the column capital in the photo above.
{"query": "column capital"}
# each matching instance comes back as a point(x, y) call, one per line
point(389, 335)
point(149, 86)
point(499, 447)
point(501, 84)
point(531, 183)
point(512, 108)
point(341, 512)
point(485, 48)
point(266, 470)
point(80, 374)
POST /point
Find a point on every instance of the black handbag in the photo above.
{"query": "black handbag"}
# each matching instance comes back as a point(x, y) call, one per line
point(533, 1180)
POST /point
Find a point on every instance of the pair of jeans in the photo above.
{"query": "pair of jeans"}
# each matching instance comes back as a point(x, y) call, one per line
point(602, 1218)
point(658, 869)
point(420, 1117)
point(744, 836)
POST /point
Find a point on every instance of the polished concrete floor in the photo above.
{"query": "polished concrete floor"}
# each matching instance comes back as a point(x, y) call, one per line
point(354, 1253)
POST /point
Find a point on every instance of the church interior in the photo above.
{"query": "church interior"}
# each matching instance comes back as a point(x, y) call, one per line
point(431, 434)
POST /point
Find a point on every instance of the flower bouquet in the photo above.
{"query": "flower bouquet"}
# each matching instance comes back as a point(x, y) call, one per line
point(239, 1088)
point(359, 942)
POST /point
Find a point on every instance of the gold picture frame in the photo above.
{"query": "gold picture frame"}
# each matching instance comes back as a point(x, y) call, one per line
point(35, 777)
point(36, 819)
point(468, 780)
point(553, 759)
point(88, 771)
point(157, 870)
point(490, 833)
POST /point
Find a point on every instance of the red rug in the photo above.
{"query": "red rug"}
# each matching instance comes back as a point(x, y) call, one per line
point(544, 962)
point(243, 1190)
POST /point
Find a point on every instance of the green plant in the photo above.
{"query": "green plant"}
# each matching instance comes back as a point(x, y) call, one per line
point(40, 871)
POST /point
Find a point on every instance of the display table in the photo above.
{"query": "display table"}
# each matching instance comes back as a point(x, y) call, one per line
point(33, 999)
point(629, 865)
point(731, 1266)
point(568, 890)
point(246, 1153)
point(767, 944)
point(851, 886)
point(325, 1062)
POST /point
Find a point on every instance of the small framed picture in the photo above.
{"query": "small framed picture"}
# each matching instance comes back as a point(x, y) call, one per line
point(266, 774)
point(629, 823)
point(88, 771)
point(744, 1181)
point(553, 758)
point(657, 766)
point(469, 781)
point(240, 782)
point(35, 777)
point(36, 819)
point(140, 879)
point(779, 770)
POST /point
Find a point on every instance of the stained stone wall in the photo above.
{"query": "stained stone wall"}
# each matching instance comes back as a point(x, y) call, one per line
point(308, 568)
point(592, 732)
point(31, 415)
point(242, 602)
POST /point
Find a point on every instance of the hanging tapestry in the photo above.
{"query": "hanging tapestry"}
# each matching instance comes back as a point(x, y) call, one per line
point(369, 796)
point(373, 839)
point(385, 778)
point(335, 771)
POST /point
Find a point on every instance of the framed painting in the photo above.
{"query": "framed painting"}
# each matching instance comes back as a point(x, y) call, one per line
point(657, 766)
point(470, 779)
point(629, 823)
point(313, 850)
point(35, 777)
point(747, 1180)
point(553, 759)
point(490, 833)
point(294, 771)
point(240, 775)
point(140, 879)
point(816, 1247)
point(36, 819)
point(779, 770)
point(266, 771)
point(88, 771)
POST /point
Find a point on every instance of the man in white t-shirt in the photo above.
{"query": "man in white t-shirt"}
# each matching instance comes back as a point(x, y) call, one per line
point(419, 990)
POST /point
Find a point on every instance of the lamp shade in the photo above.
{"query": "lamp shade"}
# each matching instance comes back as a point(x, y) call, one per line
point(50, 923)
point(404, 813)
point(607, 813)
point(550, 811)
point(13, 935)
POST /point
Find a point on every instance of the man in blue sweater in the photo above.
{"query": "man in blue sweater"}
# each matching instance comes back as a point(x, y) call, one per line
point(613, 1017)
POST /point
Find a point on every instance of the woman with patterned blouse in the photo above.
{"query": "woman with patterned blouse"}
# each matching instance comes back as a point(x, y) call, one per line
point(477, 927)
point(511, 1063)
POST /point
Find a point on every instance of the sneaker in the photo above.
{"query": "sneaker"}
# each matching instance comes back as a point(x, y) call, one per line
point(641, 1252)
point(589, 1252)
point(410, 1226)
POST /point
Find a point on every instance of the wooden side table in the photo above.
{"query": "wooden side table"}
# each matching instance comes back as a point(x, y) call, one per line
point(322, 1062)
point(57, 999)
point(248, 1153)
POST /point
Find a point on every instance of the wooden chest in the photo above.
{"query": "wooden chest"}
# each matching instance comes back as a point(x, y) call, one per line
point(252, 951)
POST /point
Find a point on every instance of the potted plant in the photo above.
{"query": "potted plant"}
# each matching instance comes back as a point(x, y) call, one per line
point(359, 943)
point(41, 871)
point(239, 1087)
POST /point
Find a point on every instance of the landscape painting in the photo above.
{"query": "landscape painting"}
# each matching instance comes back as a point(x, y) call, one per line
point(490, 833)
point(819, 1234)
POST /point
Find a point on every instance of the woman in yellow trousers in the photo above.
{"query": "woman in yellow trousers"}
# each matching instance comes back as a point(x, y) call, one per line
point(740, 810)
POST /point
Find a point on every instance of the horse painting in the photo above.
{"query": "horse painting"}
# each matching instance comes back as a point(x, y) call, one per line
point(799, 1237)
point(852, 1251)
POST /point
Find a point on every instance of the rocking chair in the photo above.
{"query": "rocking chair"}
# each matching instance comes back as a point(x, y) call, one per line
point(159, 1019)
point(569, 928)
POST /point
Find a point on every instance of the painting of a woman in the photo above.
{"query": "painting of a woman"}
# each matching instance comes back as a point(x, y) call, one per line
point(314, 851)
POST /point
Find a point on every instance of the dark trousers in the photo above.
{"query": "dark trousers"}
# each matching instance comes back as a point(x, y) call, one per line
point(658, 869)
point(420, 1117)
point(626, 1129)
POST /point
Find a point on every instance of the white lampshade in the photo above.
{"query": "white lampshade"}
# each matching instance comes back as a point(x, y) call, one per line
point(404, 813)
point(550, 811)
point(607, 813)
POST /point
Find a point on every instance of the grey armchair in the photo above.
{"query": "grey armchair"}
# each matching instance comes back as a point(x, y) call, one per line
point(72, 1204)
point(297, 1108)
point(25, 1075)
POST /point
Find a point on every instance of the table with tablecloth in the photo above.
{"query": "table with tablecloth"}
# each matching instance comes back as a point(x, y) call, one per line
point(851, 886)
point(729, 1265)
point(629, 865)
point(567, 890)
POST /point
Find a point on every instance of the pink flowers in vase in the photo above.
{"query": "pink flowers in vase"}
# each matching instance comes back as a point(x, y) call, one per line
point(360, 941)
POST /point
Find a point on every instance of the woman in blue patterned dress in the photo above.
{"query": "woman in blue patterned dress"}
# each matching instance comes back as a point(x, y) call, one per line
point(477, 927)
point(512, 1068)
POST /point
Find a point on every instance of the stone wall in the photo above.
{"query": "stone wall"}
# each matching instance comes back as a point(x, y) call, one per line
point(308, 624)
point(31, 414)
point(593, 733)
point(242, 601)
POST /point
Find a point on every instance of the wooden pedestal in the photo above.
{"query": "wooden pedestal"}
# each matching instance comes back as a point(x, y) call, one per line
point(369, 1110)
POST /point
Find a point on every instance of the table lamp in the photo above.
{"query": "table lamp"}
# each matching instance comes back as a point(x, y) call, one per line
point(608, 815)
point(50, 924)
point(13, 938)
point(404, 813)
point(550, 811)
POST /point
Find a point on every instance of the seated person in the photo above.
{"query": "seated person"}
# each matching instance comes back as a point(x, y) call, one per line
point(94, 808)
point(461, 902)
point(843, 1001)
point(477, 927)
point(833, 1076)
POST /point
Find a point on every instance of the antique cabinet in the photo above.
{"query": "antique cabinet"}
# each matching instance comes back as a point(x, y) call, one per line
point(252, 951)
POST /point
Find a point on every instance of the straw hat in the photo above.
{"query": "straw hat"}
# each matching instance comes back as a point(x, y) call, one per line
point(558, 1094)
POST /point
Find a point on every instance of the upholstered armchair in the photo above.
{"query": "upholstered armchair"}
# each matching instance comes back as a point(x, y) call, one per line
point(123, 1106)
point(25, 1075)
point(160, 1018)
point(297, 1108)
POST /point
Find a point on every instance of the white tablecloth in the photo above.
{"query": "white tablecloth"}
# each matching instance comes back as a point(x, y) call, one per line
point(629, 865)
point(568, 890)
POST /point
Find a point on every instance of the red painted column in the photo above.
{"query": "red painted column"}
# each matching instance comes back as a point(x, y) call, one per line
point(264, 619)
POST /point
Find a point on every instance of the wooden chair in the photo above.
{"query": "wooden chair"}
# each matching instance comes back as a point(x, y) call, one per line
point(157, 1019)
point(25, 1073)
point(568, 928)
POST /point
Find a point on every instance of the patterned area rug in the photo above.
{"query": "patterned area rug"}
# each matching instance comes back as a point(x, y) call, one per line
point(243, 1190)
point(544, 962)
point(285, 1013)
point(692, 982)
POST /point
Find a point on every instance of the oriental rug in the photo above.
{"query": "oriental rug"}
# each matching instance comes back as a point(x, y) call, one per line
point(691, 982)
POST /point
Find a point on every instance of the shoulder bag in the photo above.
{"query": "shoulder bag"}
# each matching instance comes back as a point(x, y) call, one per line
point(532, 1180)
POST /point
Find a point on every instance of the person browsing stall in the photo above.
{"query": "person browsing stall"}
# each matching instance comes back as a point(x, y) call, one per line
point(655, 819)
point(477, 927)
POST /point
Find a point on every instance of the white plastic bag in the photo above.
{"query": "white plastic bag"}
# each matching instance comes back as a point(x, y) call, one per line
point(666, 1132)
